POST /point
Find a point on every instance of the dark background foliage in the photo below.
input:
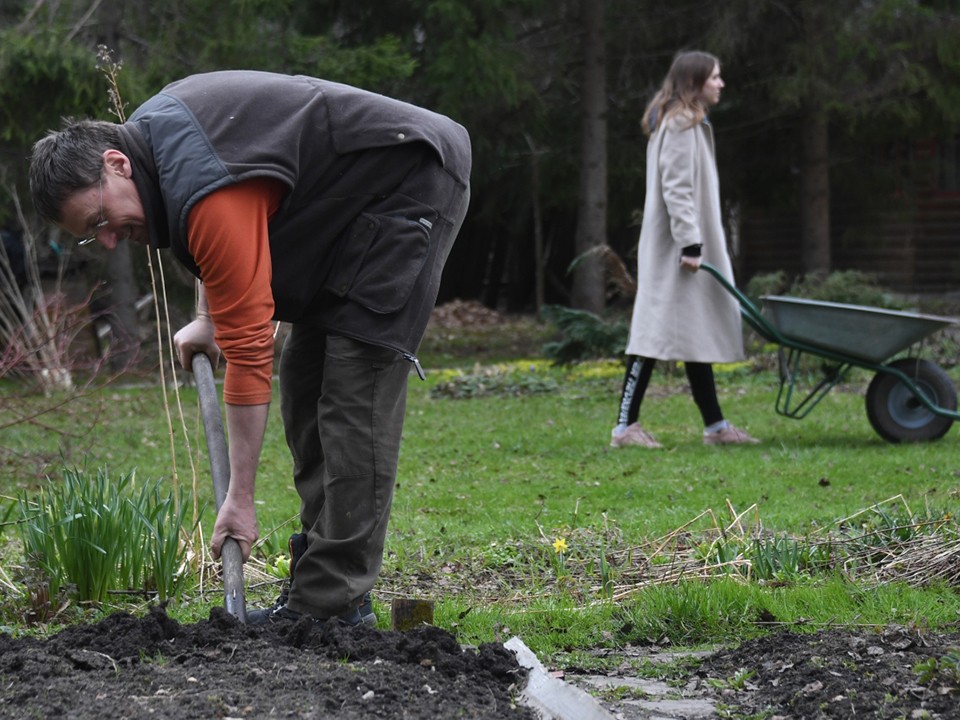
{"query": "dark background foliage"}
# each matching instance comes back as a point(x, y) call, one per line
point(823, 97)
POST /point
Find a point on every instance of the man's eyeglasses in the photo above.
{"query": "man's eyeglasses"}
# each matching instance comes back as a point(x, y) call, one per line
point(101, 223)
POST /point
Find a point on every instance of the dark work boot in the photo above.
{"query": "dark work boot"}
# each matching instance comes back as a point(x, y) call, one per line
point(281, 613)
point(367, 616)
point(297, 545)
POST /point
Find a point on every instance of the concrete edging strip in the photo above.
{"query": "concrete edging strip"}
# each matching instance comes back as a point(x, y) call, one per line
point(551, 697)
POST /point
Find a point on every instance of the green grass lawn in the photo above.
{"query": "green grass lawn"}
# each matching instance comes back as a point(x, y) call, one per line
point(520, 461)
point(488, 484)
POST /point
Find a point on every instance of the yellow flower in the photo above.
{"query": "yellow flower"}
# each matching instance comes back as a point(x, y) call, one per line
point(559, 545)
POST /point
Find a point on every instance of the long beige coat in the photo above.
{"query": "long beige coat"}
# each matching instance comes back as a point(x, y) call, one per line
point(680, 315)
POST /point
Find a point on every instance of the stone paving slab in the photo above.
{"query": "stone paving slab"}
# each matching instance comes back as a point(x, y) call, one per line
point(617, 695)
point(644, 699)
point(625, 697)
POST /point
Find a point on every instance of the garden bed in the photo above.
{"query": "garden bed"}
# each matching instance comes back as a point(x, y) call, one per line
point(134, 667)
point(128, 667)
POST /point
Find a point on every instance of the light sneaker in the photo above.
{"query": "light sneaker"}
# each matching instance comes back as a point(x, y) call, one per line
point(730, 435)
point(633, 435)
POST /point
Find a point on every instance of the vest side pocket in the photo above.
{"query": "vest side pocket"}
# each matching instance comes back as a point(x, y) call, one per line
point(351, 251)
point(382, 258)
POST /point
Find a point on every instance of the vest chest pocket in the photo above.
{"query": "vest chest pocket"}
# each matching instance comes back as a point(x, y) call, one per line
point(380, 259)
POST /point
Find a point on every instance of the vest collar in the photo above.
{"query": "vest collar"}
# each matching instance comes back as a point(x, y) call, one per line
point(148, 186)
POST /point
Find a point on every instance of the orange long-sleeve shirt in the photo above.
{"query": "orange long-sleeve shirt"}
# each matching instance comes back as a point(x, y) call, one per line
point(228, 238)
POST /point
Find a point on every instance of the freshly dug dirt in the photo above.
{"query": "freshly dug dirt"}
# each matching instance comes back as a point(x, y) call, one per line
point(837, 674)
point(127, 667)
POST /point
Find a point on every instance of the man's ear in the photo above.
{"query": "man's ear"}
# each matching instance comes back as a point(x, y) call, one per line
point(116, 162)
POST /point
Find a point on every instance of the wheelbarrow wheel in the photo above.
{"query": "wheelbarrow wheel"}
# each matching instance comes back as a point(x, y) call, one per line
point(896, 413)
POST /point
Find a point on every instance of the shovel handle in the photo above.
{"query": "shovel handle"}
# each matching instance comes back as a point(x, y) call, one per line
point(230, 554)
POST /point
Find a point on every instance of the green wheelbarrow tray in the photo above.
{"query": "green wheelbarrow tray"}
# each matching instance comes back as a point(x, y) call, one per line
point(909, 399)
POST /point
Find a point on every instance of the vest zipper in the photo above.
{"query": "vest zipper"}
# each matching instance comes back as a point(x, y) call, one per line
point(416, 363)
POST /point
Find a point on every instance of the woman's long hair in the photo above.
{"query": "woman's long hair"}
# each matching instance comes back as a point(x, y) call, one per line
point(680, 92)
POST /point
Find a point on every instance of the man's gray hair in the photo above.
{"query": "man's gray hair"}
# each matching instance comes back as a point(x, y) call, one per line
point(68, 160)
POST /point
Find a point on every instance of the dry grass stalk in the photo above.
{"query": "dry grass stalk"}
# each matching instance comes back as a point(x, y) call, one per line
point(686, 553)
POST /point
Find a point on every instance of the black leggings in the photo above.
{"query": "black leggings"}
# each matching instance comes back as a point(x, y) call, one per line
point(702, 386)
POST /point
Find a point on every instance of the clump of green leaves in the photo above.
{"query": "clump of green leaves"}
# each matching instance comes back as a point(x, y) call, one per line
point(278, 566)
point(497, 381)
point(944, 670)
point(88, 535)
point(738, 681)
point(583, 335)
point(843, 286)
point(764, 558)
point(783, 557)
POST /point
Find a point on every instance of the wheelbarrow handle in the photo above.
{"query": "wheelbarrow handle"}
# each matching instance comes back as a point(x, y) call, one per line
point(745, 303)
point(748, 310)
point(230, 554)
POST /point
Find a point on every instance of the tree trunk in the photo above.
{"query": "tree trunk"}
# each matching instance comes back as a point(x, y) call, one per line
point(538, 256)
point(815, 191)
point(122, 313)
point(588, 273)
point(121, 286)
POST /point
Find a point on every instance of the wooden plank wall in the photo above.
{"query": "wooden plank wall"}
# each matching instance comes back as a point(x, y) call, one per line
point(916, 251)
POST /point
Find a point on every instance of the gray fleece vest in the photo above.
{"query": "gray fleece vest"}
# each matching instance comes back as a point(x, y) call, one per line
point(212, 130)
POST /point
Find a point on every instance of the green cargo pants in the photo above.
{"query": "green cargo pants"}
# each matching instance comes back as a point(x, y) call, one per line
point(343, 403)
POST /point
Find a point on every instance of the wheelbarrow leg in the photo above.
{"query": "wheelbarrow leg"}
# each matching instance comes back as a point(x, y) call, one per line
point(797, 409)
point(230, 555)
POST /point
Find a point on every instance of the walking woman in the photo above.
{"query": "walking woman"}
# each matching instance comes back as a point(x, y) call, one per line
point(678, 315)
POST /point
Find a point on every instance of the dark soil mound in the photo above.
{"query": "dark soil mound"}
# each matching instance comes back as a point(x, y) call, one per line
point(836, 674)
point(127, 667)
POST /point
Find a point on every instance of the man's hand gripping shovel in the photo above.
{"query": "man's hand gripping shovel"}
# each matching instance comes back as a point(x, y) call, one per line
point(231, 555)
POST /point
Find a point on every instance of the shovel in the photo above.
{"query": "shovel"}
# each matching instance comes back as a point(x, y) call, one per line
point(230, 554)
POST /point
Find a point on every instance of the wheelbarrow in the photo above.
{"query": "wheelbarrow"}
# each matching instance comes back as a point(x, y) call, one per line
point(909, 399)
